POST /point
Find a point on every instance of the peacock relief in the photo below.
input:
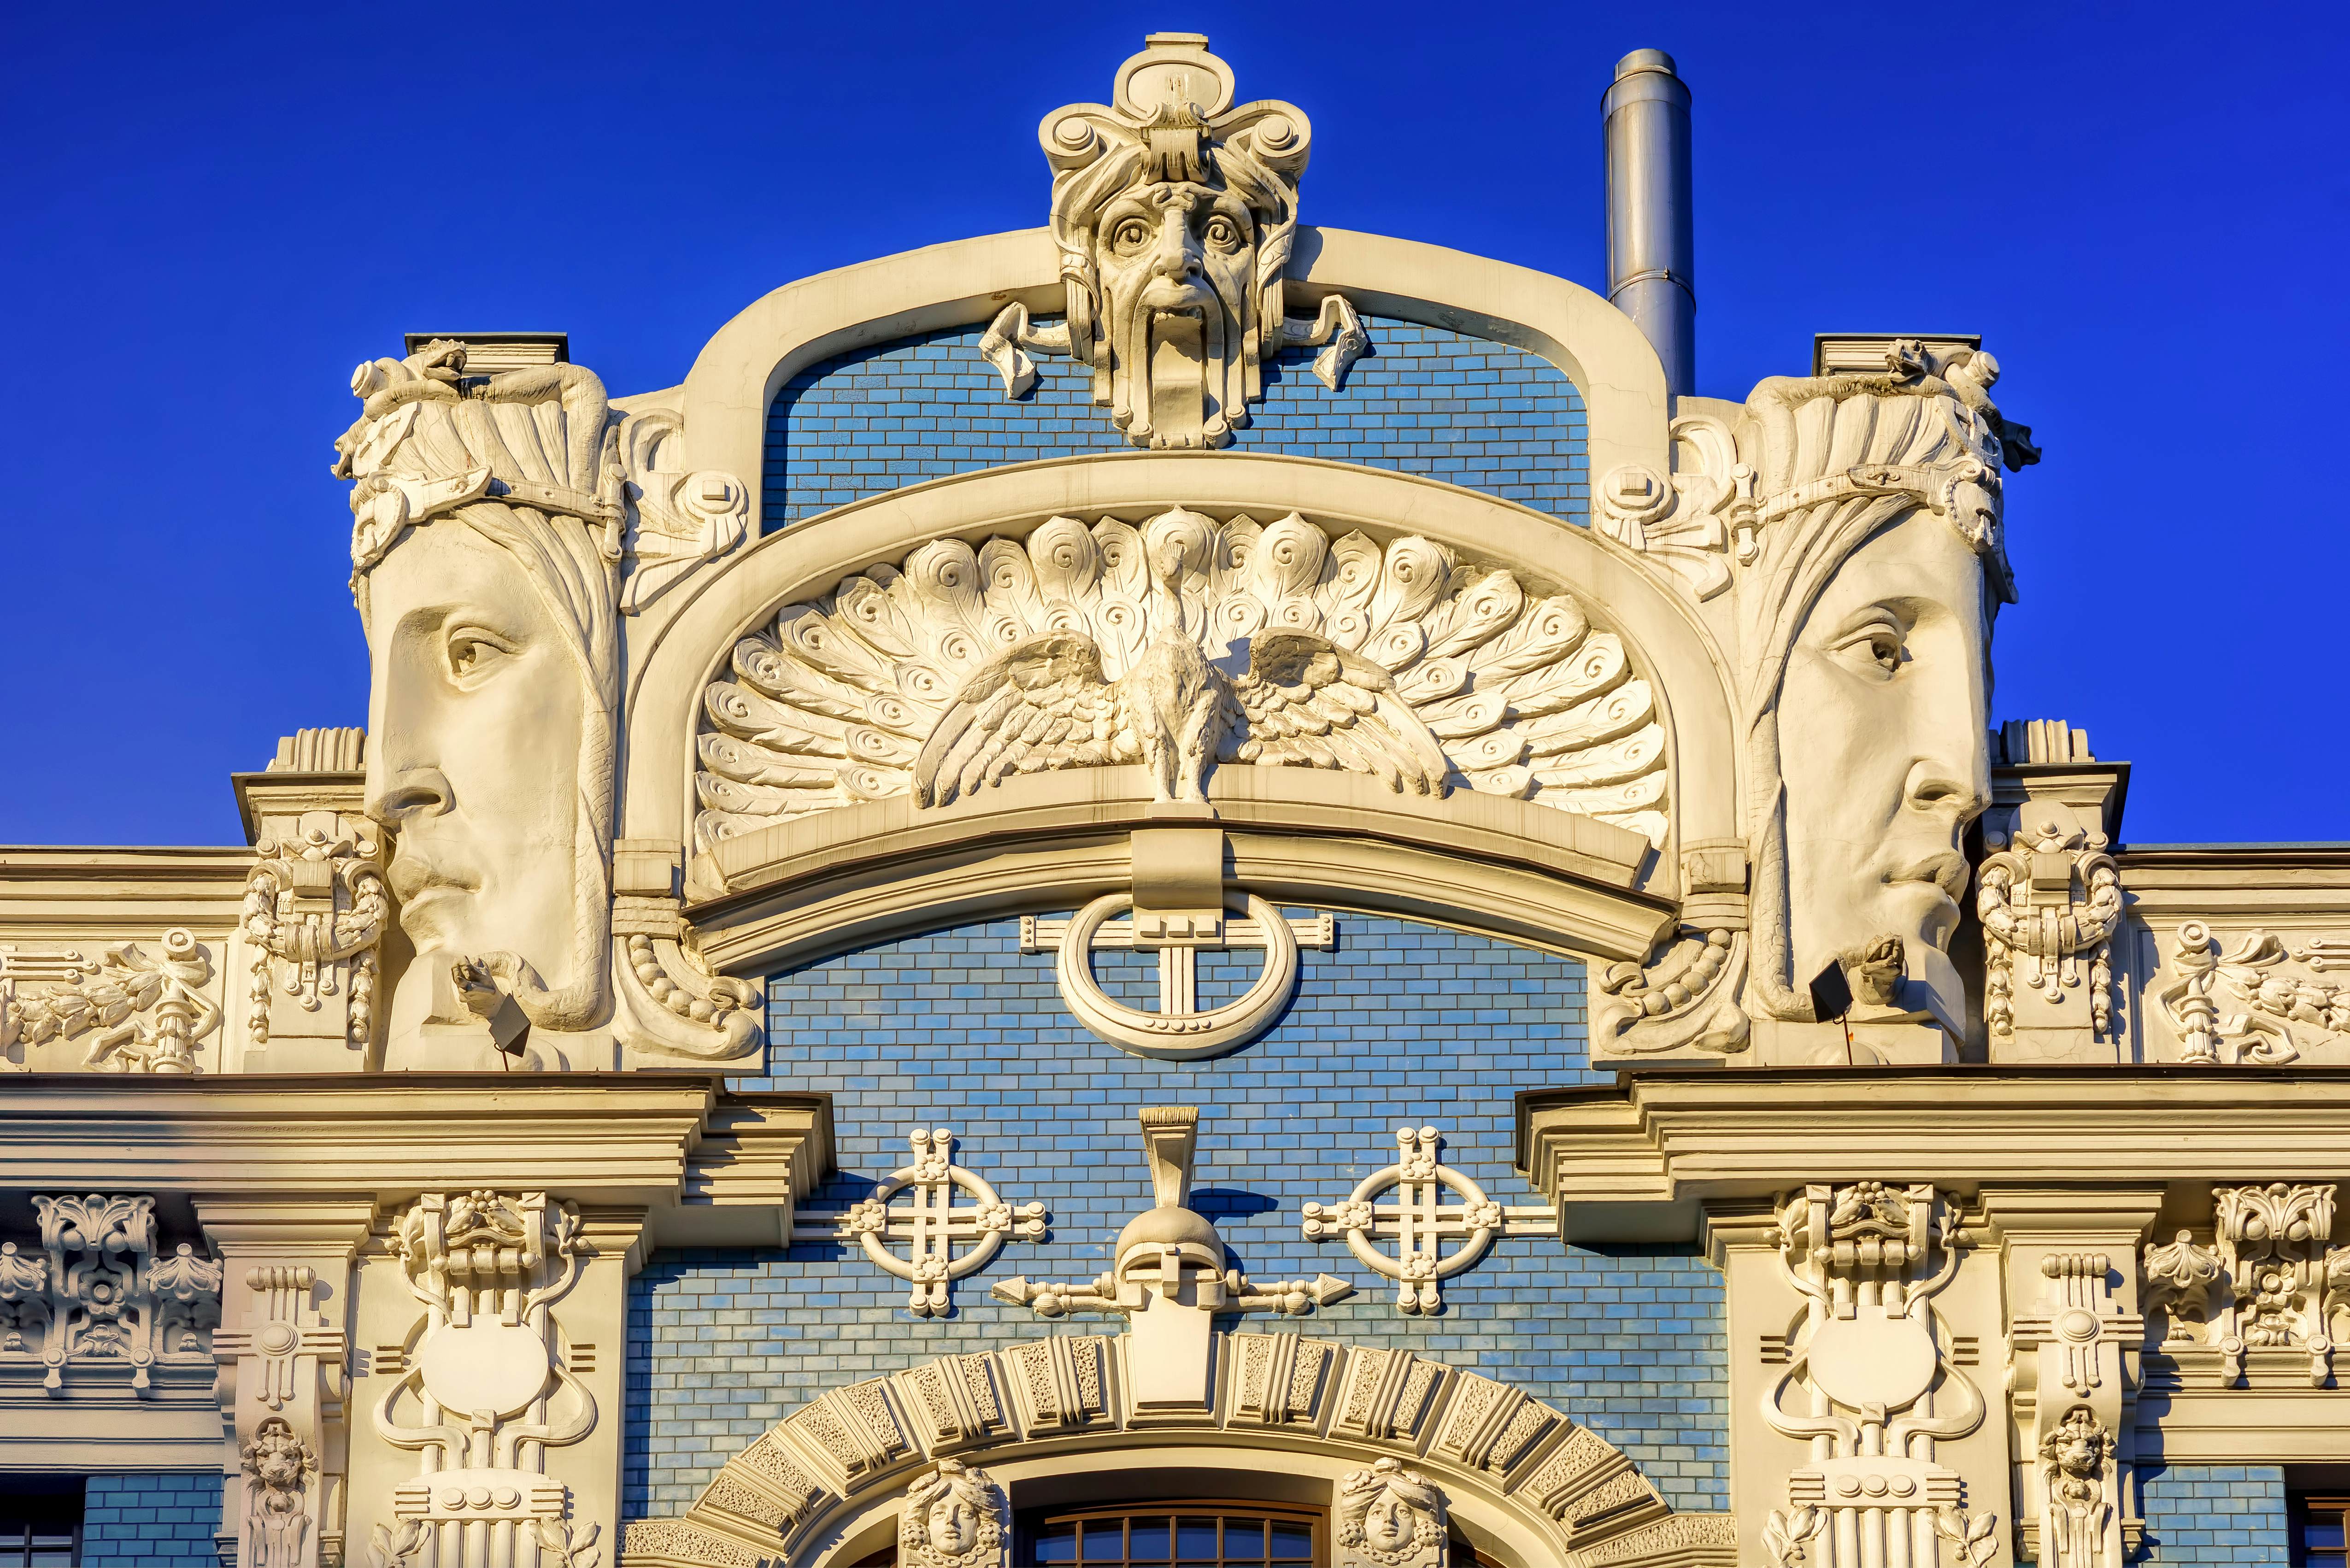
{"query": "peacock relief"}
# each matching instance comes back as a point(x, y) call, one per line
point(1183, 645)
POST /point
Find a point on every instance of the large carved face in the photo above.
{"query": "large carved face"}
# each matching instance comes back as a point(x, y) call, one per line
point(1881, 722)
point(476, 716)
point(1177, 261)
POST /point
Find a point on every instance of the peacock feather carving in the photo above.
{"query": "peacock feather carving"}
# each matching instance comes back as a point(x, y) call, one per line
point(1179, 645)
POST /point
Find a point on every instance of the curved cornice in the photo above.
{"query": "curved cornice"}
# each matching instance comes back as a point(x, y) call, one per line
point(830, 881)
point(739, 371)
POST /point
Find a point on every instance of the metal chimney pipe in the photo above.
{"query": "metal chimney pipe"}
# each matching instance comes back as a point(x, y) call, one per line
point(1651, 246)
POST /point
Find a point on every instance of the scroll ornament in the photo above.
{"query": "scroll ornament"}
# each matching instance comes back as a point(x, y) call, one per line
point(98, 1294)
point(1175, 215)
point(1686, 995)
point(487, 1267)
point(315, 909)
point(1182, 645)
point(1868, 1258)
point(145, 1011)
point(2050, 901)
point(2238, 1006)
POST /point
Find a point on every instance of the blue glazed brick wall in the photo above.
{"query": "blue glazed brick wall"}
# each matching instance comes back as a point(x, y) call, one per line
point(1401, 1024)
point(153, 1519)
point(2216, 1516)
point(1425, 400)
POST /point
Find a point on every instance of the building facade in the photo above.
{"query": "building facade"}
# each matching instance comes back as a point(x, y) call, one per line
point(1180, 889)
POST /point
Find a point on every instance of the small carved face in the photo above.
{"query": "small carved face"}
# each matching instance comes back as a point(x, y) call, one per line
point(953, 1524)
point(278, 1465)
point(1881, 721)
point(475, 719)
point(1177, 261)
point(1387, 1523)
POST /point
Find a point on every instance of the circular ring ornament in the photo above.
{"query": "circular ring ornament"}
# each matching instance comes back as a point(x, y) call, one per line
point(1177, 1036)
point(935, 1226)
point(1419, 1221)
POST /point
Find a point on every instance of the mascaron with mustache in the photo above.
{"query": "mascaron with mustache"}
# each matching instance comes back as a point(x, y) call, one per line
point(1175, 215)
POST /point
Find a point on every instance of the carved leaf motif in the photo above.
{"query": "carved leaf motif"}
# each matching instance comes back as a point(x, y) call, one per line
point(838, 698)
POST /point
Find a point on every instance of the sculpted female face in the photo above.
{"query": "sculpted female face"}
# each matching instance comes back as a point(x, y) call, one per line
point(1881, 722)
point(1387, 1523)
point(953, 1524)
point(475, 717)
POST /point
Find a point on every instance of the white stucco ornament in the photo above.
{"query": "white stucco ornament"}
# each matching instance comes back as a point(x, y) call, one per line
point(1389, 1516)
point(504, 525)
point(1186, 644)
point(957, 1517)
point(486, 1267)
point(1180, 1031)
point(1434, 1205)
point(1176, 214)
point(1868, 1258)
point(933, 1227)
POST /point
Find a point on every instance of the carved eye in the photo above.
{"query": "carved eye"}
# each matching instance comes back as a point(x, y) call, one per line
point(1223, 234)
point(474, 651)
point(1879, 645)
point(1130, 235)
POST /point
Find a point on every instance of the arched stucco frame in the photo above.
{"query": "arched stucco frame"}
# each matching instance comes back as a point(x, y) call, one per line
point(735, 378)
point(674, 662)
point(1525, 1484)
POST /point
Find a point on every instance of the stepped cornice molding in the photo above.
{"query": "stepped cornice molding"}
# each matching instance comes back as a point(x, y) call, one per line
point(1638, 1158)
point(675, 1144)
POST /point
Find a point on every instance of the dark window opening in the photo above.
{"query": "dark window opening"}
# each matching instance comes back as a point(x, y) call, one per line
point(2320, 1531)
point(1175, 1535)
point(40, 1523)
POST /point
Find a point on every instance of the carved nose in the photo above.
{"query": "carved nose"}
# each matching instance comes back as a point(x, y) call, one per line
point(411, 793)
point(1937, 787)
point(1176, 256)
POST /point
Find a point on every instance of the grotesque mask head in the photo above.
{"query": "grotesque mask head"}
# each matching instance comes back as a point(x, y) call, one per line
point(1175, 215)
point(1868, 625)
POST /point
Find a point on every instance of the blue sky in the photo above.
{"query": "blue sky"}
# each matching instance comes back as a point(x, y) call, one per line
point(214, 212)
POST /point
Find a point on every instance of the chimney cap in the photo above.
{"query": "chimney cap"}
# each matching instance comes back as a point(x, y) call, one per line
point(1640, 60)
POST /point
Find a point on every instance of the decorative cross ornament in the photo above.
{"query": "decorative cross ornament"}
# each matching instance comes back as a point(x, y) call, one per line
point(1419, 1221)
point(1179, 1031)
point(930, 1225)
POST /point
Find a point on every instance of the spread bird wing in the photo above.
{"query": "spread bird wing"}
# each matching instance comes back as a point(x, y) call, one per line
point(1040, 704)
point(1304, 701)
